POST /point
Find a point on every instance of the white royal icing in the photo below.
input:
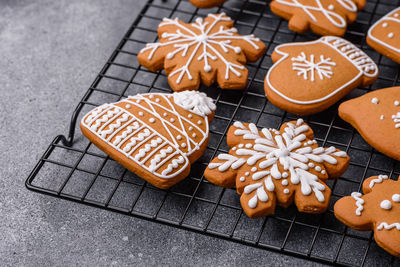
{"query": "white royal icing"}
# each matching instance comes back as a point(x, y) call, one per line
point(143, 144)
point(396, 198)
point(334, 18)
point(389, 18)
point(386, 204)
point(284, 149)
point(396, 120)
point(195, 102)
point(359, 202)
point(354, 55)
point(209, 41)
point(375, 100)
point(387, 226)
point(378, 180)
point(305, 66)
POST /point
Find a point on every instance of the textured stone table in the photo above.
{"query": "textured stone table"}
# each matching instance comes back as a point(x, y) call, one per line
point(50, 53)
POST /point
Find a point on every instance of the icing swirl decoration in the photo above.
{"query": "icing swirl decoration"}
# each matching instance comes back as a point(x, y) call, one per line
point(211, 43)
point(287, 161)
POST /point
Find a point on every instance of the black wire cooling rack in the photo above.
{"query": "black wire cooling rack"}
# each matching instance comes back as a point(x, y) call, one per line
point(72, 168)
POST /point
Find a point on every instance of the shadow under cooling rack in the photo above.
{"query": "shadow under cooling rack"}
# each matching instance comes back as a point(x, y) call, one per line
point(74, 169)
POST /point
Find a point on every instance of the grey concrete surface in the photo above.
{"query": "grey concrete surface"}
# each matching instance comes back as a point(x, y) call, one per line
point(50, 53)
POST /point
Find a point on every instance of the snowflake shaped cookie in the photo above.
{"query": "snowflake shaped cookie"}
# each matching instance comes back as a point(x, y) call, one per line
point(377, 210)
point(272, 167)
point(204, 51)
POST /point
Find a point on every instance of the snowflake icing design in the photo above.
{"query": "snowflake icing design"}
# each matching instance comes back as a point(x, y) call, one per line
point(270, 161)
point(303, 66)
point(208, 41)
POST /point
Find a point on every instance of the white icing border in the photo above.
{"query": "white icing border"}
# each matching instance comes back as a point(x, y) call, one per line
point(98, 112)
point(324, 40)
point(386, 17)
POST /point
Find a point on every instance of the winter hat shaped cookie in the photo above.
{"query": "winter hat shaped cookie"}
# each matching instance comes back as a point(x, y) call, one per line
point(272, 167)
point(207, 3)
point(324, 17)
point(376, 116)
point(204, 51)
point(155, 135)
point(378, 210)
point(308, 77)
point(384, 35)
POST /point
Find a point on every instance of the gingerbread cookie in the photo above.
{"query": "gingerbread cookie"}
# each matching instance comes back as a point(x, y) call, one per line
point(207, 3)
point(155, 135)
point(323, 17)
point(272, 167)
point(204, 51)
point(384, 35)
point(378, 210)
point(308, 77)
point(376, 116)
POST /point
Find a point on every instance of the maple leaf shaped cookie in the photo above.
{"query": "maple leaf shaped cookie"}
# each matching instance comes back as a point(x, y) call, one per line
point(378, 210)
point(376, 116)
point(207, 3)
point(323, 17)
point(204, 51)
point(155, 135)
point(272, 167)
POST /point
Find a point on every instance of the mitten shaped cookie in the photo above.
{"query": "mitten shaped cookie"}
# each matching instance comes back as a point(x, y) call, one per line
point(308, 77)
point(384, 35)
point(272, 167)
point(205, 51)
point(155, 135)
point(378, 210)
point(323, 17)
point(376, 116)
point(207, 3)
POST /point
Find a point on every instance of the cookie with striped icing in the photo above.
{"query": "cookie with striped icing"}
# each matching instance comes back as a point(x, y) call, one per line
point(157, 136)
point(377, 210)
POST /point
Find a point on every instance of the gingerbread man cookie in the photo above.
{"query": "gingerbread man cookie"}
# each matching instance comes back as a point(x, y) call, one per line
point(384, 35)
point(316, 74)
point(377, 210)
point(323, 17)
point(207, 3)
point(204, 51)
point(155, 135)
point(376, 116)
point(272, 167)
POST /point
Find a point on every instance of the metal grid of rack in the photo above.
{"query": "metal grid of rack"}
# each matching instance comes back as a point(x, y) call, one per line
point(72, 168)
